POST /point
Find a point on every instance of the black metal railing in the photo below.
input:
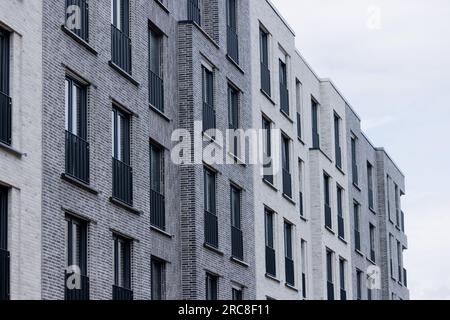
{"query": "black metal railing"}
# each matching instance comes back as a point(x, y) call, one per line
point(4, 274)
point(193, 11)
point(121, 49)
point(270, 261)
point(211, 229)
point(122, 293)
point(299, 125)
point(304, 290)
point(338, 157)
point(316, 140)
point(289, 266)
point(284, 98)
point(265, 79)
point(341, 229)
point(287, 183)
point(357, 240)
point(157, 210)
point(300, 205)
point(330, 290)
point(371, 198)
point(405, 277)
point(122, 182)
point(237, 243)
point(5, 118)
point(343, 294)
point(372, 255)
point(156, 91)
point(209, 117)
point(77, 294)
point(233, 44)
point(328, 222)
point(77, 157)
point(79, 26)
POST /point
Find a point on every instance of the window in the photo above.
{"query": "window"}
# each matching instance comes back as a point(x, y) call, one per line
point(342, 271)
point(399, 261)
point(77, 18)
point(327, 209)
point(270, 247)
point(289, 259)
point(359, 281)
point(337, 141)
point(304, 254)
point(5, 100)
point(315, 124)
point(209, 113)
point(211, 223)
point(237, 247)
point(301, 178)
point(156, 82)
point(397, 205)
point(285, 159)
point(236, 294)
point(4, 254)
point(120, 30)
point(157, 199)
point(233, 118)
point(391, 253)
point(388, 197)
point(232, 36)
point(330, 276)
point(402, 220)
point(354, 163)
point(77, 147)
point(372, 242)
point(340, 211)
point(369, 294)
point(370, 185)
point(264, 56)
point(158, 279)
point(356, 226)
point(193, 11)
point(122, 269)
point(211, 286)
point(284, 91)
point(267, 149)
point(298, 95)
point(122, 171)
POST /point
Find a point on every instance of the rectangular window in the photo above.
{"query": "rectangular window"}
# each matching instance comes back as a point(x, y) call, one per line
point(158, 279)
point(209, 113)
point(370, 185)
point(77, 18)
point(304, 255)
point(233, 119)
point(211, 222)
point(399, 261)
point(337, 141)
point(193, 11)
point(327, 201)
point(284, 91)
point(315, 124)
point(270, 247)
point(356, 226)
point(372, 242)
point(156, 82)
point(298, 95)
point(122, 171)
point(4, 253)
point(289, 259)
point(397, 205)
point(354, 161)
point(359, 282)
point(330, 275)
point(391, 253)
point(342, 271)
point(120, 34)
point(264, 56)
point(122, 269)
point(285, 159)
point(211, 286)
point(157, 199)
point(267, 149)
point(237, 246)
point(340, 211)
point(77, 146)
point(369, 294)
point(5, 100)
point(237, 294)
point(232, 34)
point(301, 179)
point(388, 197)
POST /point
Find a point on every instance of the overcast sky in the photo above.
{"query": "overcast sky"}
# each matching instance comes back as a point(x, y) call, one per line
point(391, 60)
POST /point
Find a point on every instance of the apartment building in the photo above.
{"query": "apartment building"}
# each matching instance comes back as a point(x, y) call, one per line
point(97, 203)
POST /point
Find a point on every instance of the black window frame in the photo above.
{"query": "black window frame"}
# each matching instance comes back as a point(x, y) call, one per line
point(337, 141)
point(5, 99)
point(83, 5)
point(284, 87)
point(357, 225)
point(210, 207)
point(353, 148)
point(4, 253)
point(157, 186)
point(372, 240)
point(327, 200)
point(211, 286)
point(264, 61)
point(330, 273)
point(209, 111)
point(158, 278)
point(269, 236)
point(123, 281)
point(315, 124)
point(237, 246)
point(267, 149)
point(370, 193)
point(289, 253)
point(156, 68)
point(342, 278)
point(232, 30)
point(237, 294)
point(340, 211)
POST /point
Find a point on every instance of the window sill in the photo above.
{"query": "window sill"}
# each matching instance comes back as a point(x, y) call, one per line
point(162, 232)
point(265, 94)
point(163, 6)
point(304, 218)
point(289, 199)
point(372, 210)
point(271, 277)
point(343, 240)
point(79, 184)
point(124, 206)
point(213, 249)
point(371, 261)
point(240, 262)
point(340, 170)
point(11, 150)
point(123, 73)
point(237, 160)
point(355, 185)
point(330, 230)
point(236, 64)
point(398, 228)
point(358, 251)
point(286, 115)
point(159, 113)
point(400, 283)
point(270, 185)
point(289, 286)
point(80, 41)
point(301, 140)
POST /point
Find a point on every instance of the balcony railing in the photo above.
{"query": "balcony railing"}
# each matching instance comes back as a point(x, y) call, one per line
point(5, 119)
point(265, 79)
point(341, 229)
point(122, 182)
point(343, 294)
point(233, 44)
point(289, 265)
point(156, 91)
point(121, 49)
point(211, 229)
point(315, 140)
point(330, 290)
point(81, 294)
point(77, 157)
point(287, 183)
point(4, 274)
point(357, 240)
point(328, 222)
point(237, 244)
point(299, 125)
point(405, 277)
point(300, 205)
point(209, 117)
point(304, 290)
point(122, 293)
point(157, 210)
point(270, 261)
point(284, 98)
point(193, 11)
point(81, 27)
point(338, 157)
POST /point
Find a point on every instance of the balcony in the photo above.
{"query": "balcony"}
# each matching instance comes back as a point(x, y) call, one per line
point(81, 294)
point(287, 183)
point(193, 11)
point(122, 182)
point(122, 294)
point(343, 294)
point(211, 229)
point(5, 119)
point(233, 44)
point(77, 157)
point(237, 244)
point(82, 29)
point(284, 99)
point(328, 222)
point(330, 290)
point(289, 266)
point(357, 240)
point(4, 274)
point(121, 49)
point(209, 117)
point(341, 229)
point(300, 204)
point(265, 79)
point(270, 262)
point(157, 210)
point(156, 91)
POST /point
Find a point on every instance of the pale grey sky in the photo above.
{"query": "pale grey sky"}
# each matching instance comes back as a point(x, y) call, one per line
point(396, 75)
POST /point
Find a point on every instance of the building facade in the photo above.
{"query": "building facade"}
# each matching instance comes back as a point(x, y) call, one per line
point(125, 173)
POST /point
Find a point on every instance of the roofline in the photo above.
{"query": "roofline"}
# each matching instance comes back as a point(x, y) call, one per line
point(381, 149)
point(281, 17)
point(341, 95)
